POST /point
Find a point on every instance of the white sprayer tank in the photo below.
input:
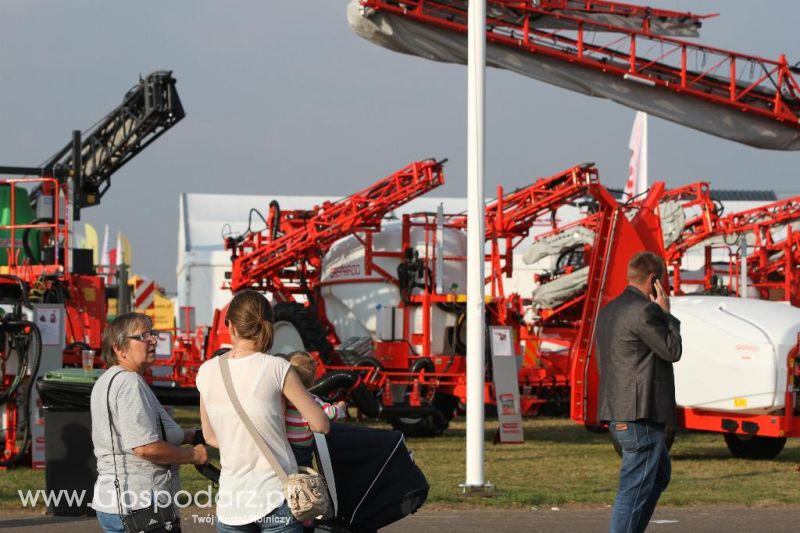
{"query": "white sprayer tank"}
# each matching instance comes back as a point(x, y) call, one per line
point(353, 299)
point(734, 353)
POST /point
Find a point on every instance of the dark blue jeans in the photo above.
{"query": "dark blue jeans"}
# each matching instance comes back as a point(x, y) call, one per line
point(304, 455)
point(645, 473)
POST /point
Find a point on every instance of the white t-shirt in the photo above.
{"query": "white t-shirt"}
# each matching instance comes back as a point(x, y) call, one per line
point(248, 486)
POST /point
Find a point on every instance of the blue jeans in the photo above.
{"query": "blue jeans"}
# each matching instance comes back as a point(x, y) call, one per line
point(278, 521)
point(111, 523)
point(304, 455)
point(645, 473)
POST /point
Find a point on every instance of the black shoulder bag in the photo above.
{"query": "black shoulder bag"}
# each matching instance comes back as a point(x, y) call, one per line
point(153, 518)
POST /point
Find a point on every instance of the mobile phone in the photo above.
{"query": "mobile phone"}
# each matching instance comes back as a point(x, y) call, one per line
point(653, 287)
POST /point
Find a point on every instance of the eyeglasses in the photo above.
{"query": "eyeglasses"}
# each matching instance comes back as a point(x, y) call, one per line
point(146, 336)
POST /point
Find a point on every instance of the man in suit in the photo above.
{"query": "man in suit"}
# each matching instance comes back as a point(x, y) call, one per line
point(638, 340)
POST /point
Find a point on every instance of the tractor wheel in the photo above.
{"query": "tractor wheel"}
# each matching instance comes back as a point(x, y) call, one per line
point(296, 327)
point(447, 404)
point(669, 437)
point(754, 447)
point(434, 424)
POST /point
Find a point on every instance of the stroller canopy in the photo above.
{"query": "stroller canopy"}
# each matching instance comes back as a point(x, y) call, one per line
point(371, 476)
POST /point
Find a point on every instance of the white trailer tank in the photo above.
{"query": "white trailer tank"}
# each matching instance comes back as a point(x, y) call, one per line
point(734, 353)
point(354, 300)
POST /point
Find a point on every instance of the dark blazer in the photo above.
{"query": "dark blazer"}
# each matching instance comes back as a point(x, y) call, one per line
point(637, 342)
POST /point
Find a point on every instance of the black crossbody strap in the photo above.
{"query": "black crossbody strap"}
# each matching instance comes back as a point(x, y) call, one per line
point(111, 433)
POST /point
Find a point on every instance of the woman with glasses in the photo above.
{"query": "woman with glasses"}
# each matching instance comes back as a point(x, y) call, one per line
point(137, 444)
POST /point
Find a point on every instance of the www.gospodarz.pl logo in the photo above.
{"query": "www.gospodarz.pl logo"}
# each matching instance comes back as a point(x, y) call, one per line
point(157, 499)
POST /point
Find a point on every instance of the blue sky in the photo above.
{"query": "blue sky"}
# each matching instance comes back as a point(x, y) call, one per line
point(282, 98)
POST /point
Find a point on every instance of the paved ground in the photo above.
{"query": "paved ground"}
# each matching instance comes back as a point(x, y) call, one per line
point(580, 520)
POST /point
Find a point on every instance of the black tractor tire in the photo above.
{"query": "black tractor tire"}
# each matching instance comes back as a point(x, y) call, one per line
point(447, 404)
point(669, 437)
point(753, 446)
point(308, 327)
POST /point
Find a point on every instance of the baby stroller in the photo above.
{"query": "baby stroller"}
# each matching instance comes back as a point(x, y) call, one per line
point(371, 478)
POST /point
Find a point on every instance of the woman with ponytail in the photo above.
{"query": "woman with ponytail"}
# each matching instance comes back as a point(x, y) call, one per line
point(250, 494)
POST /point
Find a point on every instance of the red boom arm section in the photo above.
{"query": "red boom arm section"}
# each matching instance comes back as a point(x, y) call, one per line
point(613, 48)
point(644, 16)
point(286, 257)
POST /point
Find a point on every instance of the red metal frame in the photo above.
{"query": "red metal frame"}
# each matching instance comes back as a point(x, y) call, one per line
point(286, 264)
point(571, 325)
point(60, 231)
point(508, 221)
point(636, 53)
point(772, 262)
point(10, 448)
point(86, 306)
point(186, 357)
point(285, 258)
point(272, 264)
point(619, 8)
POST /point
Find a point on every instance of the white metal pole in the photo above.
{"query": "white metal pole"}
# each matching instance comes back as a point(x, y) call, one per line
point(475, 242)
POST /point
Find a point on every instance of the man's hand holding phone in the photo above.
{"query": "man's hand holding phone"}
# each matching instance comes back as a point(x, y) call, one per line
point(659, 295)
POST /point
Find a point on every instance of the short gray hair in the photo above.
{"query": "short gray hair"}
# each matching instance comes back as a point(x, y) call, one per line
point(116, 334)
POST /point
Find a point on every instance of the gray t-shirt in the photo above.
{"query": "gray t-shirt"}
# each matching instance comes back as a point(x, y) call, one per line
point(135, 411)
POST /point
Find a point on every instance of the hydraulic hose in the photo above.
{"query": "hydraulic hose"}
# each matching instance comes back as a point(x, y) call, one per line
point(23, 343)
point(22, 355)
point(26, 247)
point(336, 379)
point(366, 401)
point(276, 220)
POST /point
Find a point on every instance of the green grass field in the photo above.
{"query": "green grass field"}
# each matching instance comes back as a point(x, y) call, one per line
point(560, 463)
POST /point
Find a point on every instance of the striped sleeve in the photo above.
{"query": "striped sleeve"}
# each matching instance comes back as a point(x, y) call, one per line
point(333, 411)
point(296, 427)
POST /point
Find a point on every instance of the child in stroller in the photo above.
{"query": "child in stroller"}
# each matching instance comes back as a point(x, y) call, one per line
point(300, 436)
